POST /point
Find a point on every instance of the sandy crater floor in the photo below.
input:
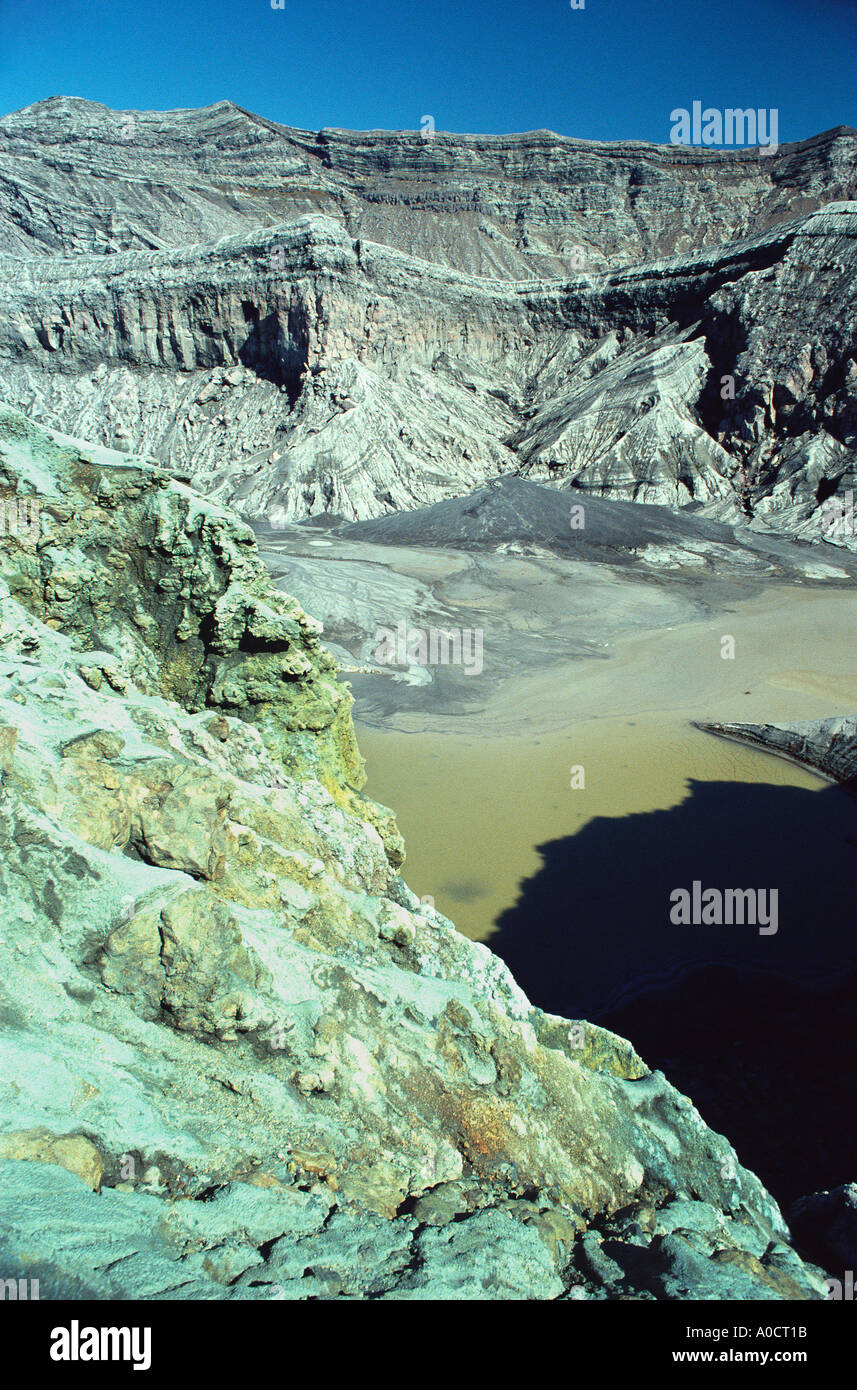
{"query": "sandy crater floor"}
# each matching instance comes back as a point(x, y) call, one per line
point(598, 666)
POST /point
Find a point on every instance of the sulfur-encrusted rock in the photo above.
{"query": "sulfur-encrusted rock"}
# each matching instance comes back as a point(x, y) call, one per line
point(73, 1152)
point(180, 601)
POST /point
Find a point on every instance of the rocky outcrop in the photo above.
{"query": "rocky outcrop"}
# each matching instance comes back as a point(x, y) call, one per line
point(346, 324)
point(828, 746)
point(240, 1058)
point(162, 589)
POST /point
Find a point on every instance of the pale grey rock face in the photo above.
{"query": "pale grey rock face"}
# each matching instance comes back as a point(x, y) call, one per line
point(506, 207)
point(828, 746)
point(359, 324)
point(240, 1059)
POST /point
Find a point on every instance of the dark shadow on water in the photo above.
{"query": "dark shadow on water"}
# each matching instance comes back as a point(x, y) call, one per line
point(769, 1063)
point(758, 1030)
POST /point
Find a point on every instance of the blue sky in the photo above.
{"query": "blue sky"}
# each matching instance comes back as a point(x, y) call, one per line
point(613, 70)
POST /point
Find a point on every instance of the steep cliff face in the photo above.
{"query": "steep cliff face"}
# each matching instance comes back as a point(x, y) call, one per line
point(359, 324)
point(79, 177)
point(165, 590)
point(239, 1057)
